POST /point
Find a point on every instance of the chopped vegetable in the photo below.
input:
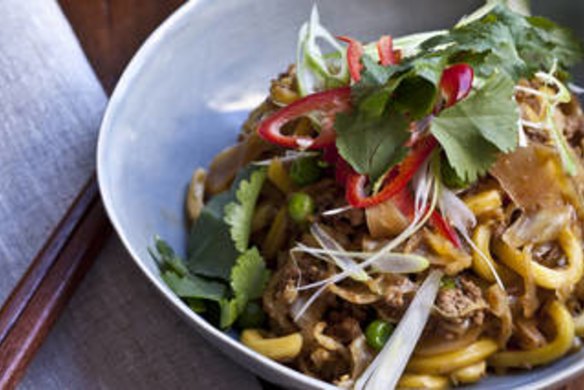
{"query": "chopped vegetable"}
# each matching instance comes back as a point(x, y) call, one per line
point(249, 277)
point(354, 54)
point(179, 280)
point(239, 214)
point(300, 207)
point(356, 196)
point(447, 282)
point(396, 263)
point(278, 175)
point(305, 171)
point(377, 334)
point(316, 71)
point(276, 235)
point(372, 144)
point(476, 129)
point(335, 251)
point(327, 103)
point(196, 194)
point(385, 50)
point(456, 83)
point(449, 176)
point(384, 372)
point(253, 316)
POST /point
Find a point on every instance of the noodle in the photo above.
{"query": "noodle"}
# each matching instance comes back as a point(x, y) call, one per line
point(562, 343)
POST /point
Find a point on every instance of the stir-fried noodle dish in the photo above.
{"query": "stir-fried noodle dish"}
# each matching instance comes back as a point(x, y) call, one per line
point(403, 213)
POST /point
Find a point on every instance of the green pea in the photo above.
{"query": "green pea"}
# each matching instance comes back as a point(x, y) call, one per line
point(447, 283)
point(253, 316)
point(305, 171)
point(300, 207)
point(377, 334)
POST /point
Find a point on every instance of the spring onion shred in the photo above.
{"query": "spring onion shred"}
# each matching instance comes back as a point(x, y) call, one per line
point(290, 155)
point(400, 263)
point(384, 372)
point(462, 219)
point(344, 262)
point(421, 216)
point(315, 70)
point(408, 44)
point(340, 210)
point(552, 100)
point(578, 90)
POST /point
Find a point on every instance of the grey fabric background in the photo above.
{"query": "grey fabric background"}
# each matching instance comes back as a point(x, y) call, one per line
point(116, 333)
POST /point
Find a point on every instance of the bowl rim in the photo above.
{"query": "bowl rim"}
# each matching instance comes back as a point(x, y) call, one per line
point(172, 24)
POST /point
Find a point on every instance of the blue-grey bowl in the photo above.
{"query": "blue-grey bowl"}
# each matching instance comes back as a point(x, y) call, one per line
point(183, 98)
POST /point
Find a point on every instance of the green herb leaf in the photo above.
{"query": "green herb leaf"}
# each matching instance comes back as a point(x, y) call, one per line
point(249, 277)
point(503, 39)
point(229, 313)
point(238, 215)
point(191, 286)
point(167, 259)
point(211, 251)
point(476, 129)
point(176, 275)
point(372, 145)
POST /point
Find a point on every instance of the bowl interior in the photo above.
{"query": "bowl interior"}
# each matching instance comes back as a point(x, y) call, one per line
point(184, 96)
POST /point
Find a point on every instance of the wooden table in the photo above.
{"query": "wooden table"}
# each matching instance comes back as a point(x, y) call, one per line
point(110, 32)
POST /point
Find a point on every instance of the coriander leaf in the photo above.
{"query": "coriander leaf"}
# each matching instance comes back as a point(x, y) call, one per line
point(400, 83)
point(474, 130)
point(191, 286)
point(371, 93)
point(229, 312)
point(211, 251)
point(372, 145)
point(238, 214)
point(177, 277)
point(249, 277)
point(503, 39)
point(564, 45)
point(167, 258)
point(197, 305)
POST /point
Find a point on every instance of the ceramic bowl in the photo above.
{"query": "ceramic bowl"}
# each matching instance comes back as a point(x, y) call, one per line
point(186, 93)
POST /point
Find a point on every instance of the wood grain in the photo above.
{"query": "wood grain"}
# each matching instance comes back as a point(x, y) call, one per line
point(38, 299)
point(111, 31)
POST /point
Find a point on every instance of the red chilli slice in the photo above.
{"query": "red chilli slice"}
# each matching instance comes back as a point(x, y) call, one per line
point(354, 54)
point(385, 50)
point(328, 102)
point(396, 181)
point(456, 83)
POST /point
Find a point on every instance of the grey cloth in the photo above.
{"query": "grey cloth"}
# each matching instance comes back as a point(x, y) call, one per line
point(116, 333)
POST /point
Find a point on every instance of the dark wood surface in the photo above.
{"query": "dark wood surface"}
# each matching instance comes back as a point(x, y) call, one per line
point(36, 302)
point(110, 31)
